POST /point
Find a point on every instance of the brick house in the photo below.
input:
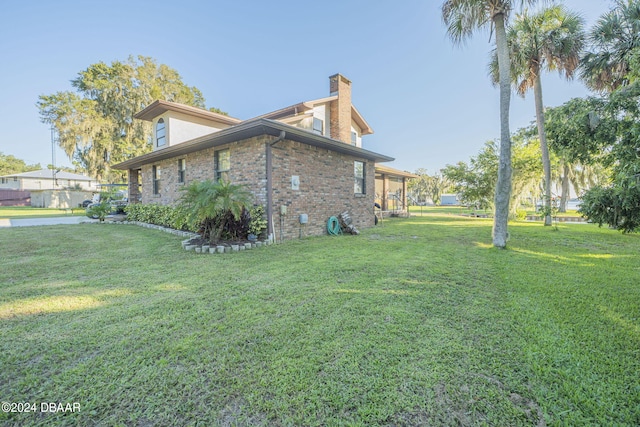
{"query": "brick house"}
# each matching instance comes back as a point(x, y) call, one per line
point(303, 159)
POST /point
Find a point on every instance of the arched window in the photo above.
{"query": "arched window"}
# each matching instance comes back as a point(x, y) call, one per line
point(160, 133)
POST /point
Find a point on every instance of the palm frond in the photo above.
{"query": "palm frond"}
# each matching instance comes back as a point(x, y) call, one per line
point(613, 39)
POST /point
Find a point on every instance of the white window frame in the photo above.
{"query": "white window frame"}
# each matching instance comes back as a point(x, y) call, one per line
point(161, 140)
point(318, 126)
point(157, 174)
point(359, 182)
point(182, 170)
point(222, 173)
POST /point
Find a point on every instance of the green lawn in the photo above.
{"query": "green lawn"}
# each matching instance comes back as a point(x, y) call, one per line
point(464, 210)
point(417, 322)
point(12, 212)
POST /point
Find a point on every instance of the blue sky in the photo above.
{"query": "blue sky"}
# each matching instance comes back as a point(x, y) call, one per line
point(430, 103)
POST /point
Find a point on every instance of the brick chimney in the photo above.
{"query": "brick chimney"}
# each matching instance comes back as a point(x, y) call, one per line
point(340, 109)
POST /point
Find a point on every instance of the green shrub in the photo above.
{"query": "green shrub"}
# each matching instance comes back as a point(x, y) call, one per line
point(175, 217)
point(258, 222)
point(521, 215)
point(616, 206)
point(99, 211)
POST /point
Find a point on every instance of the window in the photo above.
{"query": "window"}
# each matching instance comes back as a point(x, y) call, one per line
point(354, 138)
point(4, 180)
point(160, 133)
point(182, 167)
point(222, 164)
point(358, 169)
point(156, 179)
point(318, 125)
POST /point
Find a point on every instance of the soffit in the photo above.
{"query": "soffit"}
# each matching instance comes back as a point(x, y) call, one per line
point(160, 107)
point(246, 130)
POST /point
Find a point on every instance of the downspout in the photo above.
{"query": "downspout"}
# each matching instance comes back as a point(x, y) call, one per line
point(269, 155)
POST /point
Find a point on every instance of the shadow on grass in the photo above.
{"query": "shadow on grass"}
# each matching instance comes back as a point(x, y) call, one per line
point(59, 303)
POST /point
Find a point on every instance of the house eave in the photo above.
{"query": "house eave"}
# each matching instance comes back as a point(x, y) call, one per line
point(357, 117)
point(246, 130)
point(386, 170)
point(160, 106)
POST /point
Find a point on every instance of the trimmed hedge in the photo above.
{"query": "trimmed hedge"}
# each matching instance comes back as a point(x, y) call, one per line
point(176, 217)
point(166, 216)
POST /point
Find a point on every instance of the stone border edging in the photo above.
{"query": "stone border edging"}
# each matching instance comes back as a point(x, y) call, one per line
point(189, 235)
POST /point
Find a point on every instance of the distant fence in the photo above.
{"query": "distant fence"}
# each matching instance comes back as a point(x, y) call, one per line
point(15, 198)
point(59, 199)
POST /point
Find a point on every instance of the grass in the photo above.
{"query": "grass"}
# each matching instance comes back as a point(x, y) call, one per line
point(464, 210)
point(417, 322)
point(13, 212)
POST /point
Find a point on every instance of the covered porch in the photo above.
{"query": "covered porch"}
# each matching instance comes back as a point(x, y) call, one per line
point(391, 190)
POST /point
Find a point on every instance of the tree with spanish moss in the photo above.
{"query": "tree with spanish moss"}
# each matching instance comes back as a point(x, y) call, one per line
point(95, 125)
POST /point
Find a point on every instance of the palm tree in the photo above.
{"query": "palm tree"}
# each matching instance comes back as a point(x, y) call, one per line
point(463, 18)
point(551, 39)
point(613, 39)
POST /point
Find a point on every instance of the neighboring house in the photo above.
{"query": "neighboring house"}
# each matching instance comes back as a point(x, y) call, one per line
point(47, 179)
point(449, 200)
point(303, 159)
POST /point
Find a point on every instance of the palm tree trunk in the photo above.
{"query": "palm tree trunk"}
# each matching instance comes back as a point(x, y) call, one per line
point(546, 161)
point(503, 185)
point(564, 197)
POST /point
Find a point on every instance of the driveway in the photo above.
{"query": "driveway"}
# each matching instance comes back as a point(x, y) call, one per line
point(54, 220)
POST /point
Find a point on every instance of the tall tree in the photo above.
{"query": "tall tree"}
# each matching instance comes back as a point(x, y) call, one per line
point(419, 187)
point(607, 131)
point(10, 164)
point(426, 186)
point(475, 182)
point(463, 18)
point(551, 39)
point(95, 124)
point(605, 67)
point(580, 177)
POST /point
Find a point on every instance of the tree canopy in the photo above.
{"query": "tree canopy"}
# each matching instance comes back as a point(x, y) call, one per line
point(606, 131)
point(475, 181)
point(426, 187)
point(95, 125)
point(10, 165)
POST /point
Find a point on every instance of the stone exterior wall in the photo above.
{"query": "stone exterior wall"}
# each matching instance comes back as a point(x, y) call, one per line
point(248, 167)
point(326, 182)
point(326, 189)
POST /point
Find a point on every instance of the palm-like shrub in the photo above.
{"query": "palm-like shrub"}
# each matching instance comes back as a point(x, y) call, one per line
point(214, 204)
point(99, 210)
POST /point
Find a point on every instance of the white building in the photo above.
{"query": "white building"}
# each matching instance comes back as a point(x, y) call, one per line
point(47, 179)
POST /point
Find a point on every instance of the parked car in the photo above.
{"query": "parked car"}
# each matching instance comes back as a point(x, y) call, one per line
point(117, 201)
